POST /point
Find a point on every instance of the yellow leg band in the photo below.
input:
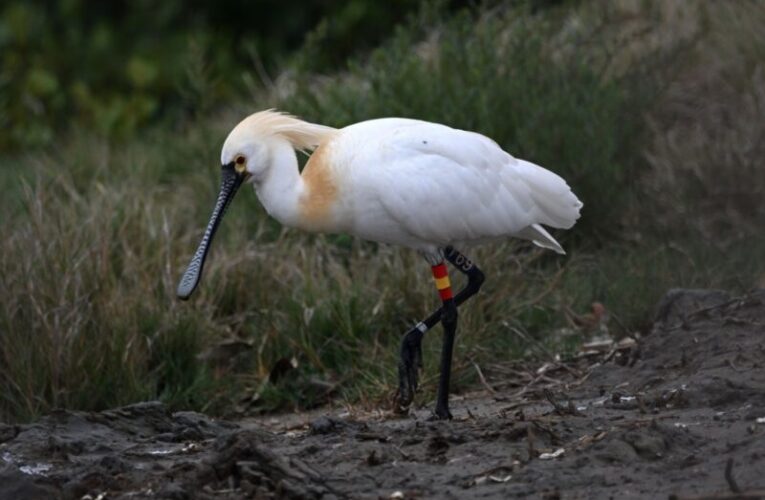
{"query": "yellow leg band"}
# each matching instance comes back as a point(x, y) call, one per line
point(442, 283)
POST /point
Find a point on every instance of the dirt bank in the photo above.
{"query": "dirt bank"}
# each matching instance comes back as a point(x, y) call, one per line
point(681, 412)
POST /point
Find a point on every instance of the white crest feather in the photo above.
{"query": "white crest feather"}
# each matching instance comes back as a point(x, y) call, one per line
point(303, 136)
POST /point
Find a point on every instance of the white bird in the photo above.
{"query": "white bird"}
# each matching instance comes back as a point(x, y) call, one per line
point(406, 182)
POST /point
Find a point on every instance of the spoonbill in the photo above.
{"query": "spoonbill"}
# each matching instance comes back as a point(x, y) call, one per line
point(421, 185)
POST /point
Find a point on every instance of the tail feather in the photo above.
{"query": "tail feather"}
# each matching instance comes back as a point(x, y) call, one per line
point(540, 237)
point(557, 205)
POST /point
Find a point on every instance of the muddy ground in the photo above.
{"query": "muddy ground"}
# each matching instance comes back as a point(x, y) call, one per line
point(681, 413)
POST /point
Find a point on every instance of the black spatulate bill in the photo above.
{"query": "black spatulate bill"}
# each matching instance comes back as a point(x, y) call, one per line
point(229, 185)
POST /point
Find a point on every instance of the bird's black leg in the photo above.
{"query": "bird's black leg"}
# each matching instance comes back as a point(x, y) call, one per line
point(411, 345)
point(449, 321)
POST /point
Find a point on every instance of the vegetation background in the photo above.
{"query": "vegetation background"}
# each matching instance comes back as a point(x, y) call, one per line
point(113, 115)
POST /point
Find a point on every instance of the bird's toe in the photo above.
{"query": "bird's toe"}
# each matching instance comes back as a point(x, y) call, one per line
point(408, 368)
point(441, 414)
point(407, 374)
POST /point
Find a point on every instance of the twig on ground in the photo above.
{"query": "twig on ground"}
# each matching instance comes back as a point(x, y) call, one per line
point(525, 388)
point(483, 379)
point(496, 469)
point(729, 477)
point(404, 455)
point(559, 408)
point(721, 305)
point(530, 438)
point(744, 322)
point(547, 429)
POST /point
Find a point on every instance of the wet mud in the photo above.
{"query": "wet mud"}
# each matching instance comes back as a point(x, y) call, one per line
point(676, 413)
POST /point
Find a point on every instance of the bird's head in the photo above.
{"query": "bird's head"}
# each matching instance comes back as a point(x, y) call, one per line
point(246, 151)
point(246, 157)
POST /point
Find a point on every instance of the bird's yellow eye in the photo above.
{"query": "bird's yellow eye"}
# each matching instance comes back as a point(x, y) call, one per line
point(240, 164)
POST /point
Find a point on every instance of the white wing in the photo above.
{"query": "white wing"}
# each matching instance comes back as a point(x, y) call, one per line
point(446, 186)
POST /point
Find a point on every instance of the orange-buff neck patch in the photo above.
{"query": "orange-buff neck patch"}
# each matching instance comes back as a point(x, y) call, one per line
point(441, 275)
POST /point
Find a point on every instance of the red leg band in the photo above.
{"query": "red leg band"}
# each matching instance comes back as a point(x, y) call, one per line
point(441, 275)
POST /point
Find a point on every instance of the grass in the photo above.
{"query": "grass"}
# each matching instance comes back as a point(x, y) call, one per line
point(97, 233)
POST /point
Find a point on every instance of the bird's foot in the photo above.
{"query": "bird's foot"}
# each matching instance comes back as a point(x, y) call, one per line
point(408, 368)
point(442, 413)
